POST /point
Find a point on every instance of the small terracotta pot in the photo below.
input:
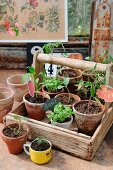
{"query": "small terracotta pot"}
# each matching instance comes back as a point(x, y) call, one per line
point(34, 110)
point(73, 80)
point(87, 123)
point(52, 95)
point(20, 88)
point(75, 97)
point(65, 125)
point(76, 56)
point(15, 145)
point(6, 101)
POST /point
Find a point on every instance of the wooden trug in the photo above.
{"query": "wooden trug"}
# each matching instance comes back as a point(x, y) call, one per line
point(75, 143)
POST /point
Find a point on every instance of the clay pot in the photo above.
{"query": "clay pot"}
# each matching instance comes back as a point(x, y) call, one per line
point(15, 145)
point(6, 101)
point(87, 76)
point(19, 87)
point(73, 80)
point(52, 95)
point(34, 110)
point(76, 56)
point(65, 125)
point(87, 123)
point(75, 97)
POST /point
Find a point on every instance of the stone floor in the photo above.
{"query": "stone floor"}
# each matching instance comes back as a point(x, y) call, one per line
point(103, 159)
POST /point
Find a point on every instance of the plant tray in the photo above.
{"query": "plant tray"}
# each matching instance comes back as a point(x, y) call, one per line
point(71, 141)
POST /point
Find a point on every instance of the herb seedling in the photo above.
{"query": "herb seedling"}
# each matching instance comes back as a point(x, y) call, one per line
point(60, 114)
point(53, 84)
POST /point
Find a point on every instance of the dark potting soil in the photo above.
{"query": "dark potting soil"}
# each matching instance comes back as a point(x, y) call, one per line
point(40, 147)
point(11, 132)
point(64, 99)
point(38, 99)
point(88, 108)
point(69, 73)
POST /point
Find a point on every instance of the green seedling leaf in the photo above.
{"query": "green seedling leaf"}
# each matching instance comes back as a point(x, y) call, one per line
point(31, 70)
point(92, 91)
point(60, 87)
point(66, 81)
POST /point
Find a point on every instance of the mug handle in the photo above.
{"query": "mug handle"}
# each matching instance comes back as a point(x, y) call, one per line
point(25, 146)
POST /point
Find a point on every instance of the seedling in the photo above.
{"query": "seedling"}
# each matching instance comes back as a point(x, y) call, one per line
point(60, 114)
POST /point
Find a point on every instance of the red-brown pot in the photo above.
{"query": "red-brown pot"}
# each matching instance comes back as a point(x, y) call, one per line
point(15, 145)
point(34, 110)
point(73, 80)
point(75, 97)
point(6, 101)
point(52, 95)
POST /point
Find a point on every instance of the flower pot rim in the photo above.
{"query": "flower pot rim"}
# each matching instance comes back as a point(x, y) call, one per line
point(71, 78)
point(41, 151)
point(12, 138)
point(8, 89)
point(89, 115)
point(24, 99)
point(67, 95)
point(13, 84)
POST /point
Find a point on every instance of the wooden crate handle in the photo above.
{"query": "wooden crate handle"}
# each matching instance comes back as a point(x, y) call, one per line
point(73, 63)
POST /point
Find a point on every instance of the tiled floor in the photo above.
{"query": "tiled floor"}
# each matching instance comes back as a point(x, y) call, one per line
point(103, 159)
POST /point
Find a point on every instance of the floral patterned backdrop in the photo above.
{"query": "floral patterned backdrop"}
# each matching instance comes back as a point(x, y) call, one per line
point(33, 20)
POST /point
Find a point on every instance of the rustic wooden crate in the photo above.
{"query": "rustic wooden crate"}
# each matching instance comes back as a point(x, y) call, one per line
point(71, 141)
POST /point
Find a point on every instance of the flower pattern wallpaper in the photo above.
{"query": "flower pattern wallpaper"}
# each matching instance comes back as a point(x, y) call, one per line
point(33, 20)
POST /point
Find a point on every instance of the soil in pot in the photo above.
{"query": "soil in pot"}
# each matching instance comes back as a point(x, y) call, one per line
point(65, 100)
point(88, 108)
point(38, 99)
point(10, 132)
point(44, 145)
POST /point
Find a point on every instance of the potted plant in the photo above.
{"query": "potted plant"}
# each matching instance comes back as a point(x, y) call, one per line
point(73, 74)
point(51, 85)
point(39, 150)
point(34, 99)
point(68, 99)
point(61, 116)
point(15, 135)
point(6, 101)
point(18, 85)
point(88, 113)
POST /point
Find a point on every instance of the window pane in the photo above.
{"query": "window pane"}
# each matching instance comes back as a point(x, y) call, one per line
point(79, 14)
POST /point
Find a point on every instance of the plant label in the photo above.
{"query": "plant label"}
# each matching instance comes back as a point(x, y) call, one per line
point(50, 103)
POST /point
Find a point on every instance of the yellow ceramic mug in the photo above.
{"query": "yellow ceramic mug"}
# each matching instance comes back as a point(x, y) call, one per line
point(38, 157)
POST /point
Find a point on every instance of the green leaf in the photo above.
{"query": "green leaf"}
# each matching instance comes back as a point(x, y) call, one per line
point(37, 80)
point(60, 87)
point(66, 81)
point(17, 117)
point(31, 70)
point(92, 91)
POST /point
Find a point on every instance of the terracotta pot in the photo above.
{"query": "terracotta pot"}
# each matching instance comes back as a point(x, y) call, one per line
point(65, 125)
point(52, 95)
point(75, 97)
point(20, 88)
point(15, 145)
point(34, 110)
point(87, 123)
point(73, 80)
point(76, 56)
point(6, 101)
point(88, 76)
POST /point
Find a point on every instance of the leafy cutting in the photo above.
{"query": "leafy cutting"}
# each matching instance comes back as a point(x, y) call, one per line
point(60, 114)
